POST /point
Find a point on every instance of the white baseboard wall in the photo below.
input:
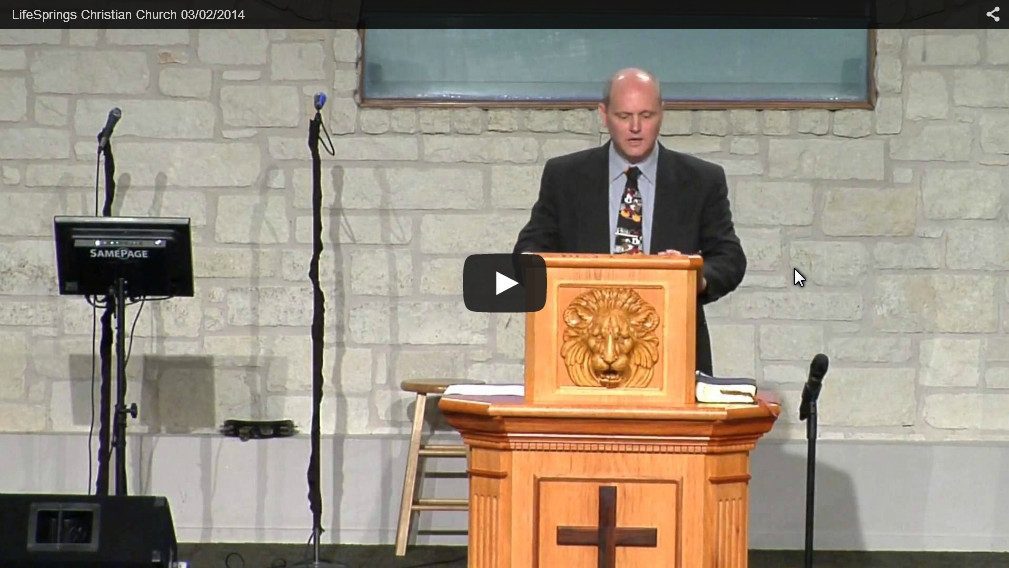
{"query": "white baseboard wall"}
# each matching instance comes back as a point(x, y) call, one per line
point(870, 495)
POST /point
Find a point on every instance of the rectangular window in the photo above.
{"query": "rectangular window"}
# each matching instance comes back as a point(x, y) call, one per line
point(698, 68)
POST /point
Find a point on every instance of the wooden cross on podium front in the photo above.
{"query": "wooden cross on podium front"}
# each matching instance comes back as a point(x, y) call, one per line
point(607, 537)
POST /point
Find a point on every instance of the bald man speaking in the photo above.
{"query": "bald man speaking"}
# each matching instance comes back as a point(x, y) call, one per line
point(632, 195)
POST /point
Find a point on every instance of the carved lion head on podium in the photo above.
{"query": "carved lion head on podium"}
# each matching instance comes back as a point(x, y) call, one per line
point(610, 339)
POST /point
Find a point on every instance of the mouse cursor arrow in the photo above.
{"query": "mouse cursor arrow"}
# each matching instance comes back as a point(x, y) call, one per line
point(798, 279)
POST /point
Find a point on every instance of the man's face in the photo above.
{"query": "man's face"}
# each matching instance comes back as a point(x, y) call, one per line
point(633, 118)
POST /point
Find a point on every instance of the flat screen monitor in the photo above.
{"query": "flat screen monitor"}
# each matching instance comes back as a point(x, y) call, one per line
point(152, 254)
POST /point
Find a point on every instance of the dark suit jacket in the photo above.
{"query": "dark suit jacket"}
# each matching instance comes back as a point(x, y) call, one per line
point(691, 215)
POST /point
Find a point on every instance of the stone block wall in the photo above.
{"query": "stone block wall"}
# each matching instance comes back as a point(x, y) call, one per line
point(897, 216)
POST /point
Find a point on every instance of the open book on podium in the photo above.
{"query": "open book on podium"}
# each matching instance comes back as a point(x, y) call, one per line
point(485, 390)
point(725, 390)
point(709, 389)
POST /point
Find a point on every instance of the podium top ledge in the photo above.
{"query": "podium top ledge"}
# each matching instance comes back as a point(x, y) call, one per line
point(515, 406)
point(650, 261)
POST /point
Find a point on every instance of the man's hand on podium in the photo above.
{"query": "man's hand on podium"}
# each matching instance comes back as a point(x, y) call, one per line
point(702, 283)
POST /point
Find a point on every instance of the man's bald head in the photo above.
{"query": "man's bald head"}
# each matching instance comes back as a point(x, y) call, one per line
point(632, 112)
point(631, 77)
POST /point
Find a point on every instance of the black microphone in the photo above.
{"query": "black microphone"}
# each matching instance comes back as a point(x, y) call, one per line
point(811, 391)
point(103, 136)
point(320, 100)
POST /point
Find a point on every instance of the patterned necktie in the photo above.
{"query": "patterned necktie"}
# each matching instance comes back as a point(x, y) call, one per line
point(628, 236)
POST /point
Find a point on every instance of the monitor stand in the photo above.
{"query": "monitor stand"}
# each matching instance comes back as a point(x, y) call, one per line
point(118, 291)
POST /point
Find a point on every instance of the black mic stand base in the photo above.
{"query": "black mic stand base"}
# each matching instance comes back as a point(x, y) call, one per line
point(317, 562)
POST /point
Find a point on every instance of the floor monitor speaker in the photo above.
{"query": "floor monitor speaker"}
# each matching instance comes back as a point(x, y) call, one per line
point(70, 531)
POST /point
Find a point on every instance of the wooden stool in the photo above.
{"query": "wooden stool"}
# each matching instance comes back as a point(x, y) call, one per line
point(411, 502)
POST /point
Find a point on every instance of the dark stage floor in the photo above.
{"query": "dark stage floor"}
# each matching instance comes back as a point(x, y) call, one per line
point(359, 556)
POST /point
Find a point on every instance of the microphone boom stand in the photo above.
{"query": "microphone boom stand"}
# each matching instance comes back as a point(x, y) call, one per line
point(318, 330)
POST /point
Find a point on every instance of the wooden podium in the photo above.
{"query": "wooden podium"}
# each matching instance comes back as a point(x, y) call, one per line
point(608, 461)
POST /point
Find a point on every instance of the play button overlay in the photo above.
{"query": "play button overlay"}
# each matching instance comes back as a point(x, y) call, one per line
point(504, 283)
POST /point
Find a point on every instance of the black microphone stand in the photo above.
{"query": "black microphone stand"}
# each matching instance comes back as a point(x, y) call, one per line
point(807, 412)
point(105, 345)
point(318, 330)
point(115, 305)
point(810, 481)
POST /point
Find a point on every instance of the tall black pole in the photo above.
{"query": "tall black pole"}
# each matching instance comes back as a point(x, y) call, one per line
point(119, 433)
point(807, 411)
point(810, 481)
point(318, 334)
point(105, 344)
point(318, 328)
